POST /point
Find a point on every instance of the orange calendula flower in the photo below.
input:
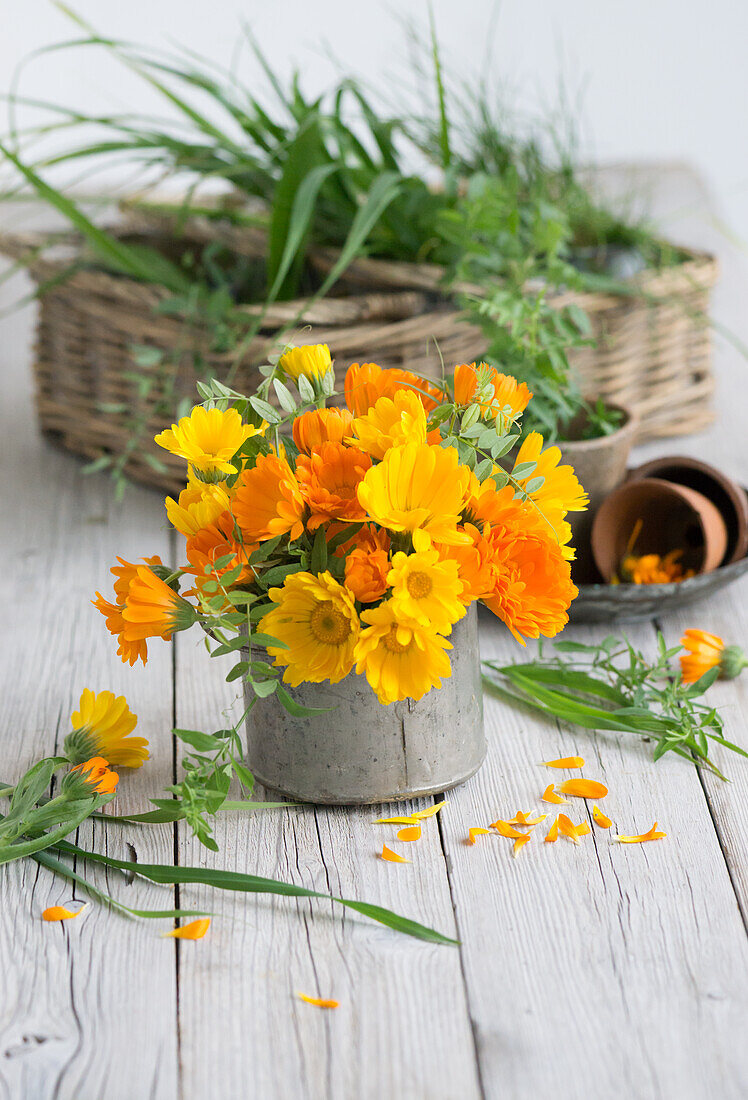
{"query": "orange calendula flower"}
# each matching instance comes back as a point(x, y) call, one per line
point(318, 1002)
point(476, 567)
point(600, 819)
point(549, 795)
point(552, 835)
point(584, 788)
point(573, 832)
point(564, 762)
point(534, 589)
point(475, 831)
point(409, 833)
point(505, 829)
point(318, 426)
point(153, 609)
point(705, 651)
point(390, 422)
point(367, 565)
point(268, 501)
point(195, 930)
point(365, 383)
point(654, 568)
point(91, 775)
point(392, 857)
point(494, 392)
point(653, 834)
point(329, 479)
point(431, 811)
point(58, 912)
point(217, 540)
point(130, 649)
point(520, 843)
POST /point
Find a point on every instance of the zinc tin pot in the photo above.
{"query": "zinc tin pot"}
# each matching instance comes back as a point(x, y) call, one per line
point(361, 753)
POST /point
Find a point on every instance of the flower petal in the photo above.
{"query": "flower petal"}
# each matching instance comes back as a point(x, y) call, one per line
point(583, 788)
point(653, 834)
point(395, 821)
point(600, 819)
point(506, 829)
point(409, 833)
point(519, 843)
point(573, 832)
point(195, 930)
point(320, 1002)
point(549, 795)
point(420, 814)
point(392, 857)
point(552, 835)
point(564, 762)
point(476, 831)
point(58, 912)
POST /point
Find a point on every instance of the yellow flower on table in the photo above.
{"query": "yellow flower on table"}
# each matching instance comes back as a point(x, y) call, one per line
point(390, 422)
point(207, 439)
point(418, 487)
point(313, 361)
point(316, 619)
point(427, 589)
point(101, 727)
point(400, 657)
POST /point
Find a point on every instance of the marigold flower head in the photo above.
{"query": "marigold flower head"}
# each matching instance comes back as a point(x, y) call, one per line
point(365, 383)
point(153, 609)
point(400, 657)
point(427, 589)
point(128, 651)
point(705, 651)
point(418, 487)
point(313, 361)
point(268, 501)
point(212, 543)
point(390, 422)
point(494, 392)
point(654, 568)
point(367, 565)
point(197, 507)
point(534, 589)
point(207, 439)
point(328, 481)
point(318, 426)
point(475, 563)
point(101, 728)
point(90, 776)
point(316, 619)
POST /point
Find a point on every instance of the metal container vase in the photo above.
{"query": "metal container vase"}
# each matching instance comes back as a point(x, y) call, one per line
point(360, 752)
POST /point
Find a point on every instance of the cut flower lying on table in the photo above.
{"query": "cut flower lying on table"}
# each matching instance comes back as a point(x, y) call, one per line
point(354, 538)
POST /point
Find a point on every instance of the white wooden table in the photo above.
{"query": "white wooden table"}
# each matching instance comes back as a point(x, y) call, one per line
point(599, 971)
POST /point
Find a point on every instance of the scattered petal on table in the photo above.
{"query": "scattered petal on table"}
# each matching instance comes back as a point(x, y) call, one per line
point(409, 833)
point(505, 829)
point(195, 930)
point(392, 857)
point(477, 831)
point(600, 819)
point(420, 814)
point(519, 843)
point(549, 795)
point(653, 834)
point(58, 912)
point(552, 835)
point(583, 788)
point(573, 832)
point(395, 821)
point(522, 817)
point(564, 762)
point(319, 1002)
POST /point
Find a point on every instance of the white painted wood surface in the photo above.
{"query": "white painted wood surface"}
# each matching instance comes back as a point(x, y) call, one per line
point(593, 971)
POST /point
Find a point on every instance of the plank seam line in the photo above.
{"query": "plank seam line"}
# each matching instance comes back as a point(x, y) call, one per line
point(453, 901)
point(175, 838)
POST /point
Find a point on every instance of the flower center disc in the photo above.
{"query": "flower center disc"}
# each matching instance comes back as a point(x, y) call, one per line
point(419, 585)
point(391, 642)
point(328, 625)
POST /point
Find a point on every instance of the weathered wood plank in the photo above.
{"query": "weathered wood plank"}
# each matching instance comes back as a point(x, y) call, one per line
point(402, 1027)
point(603, 969)
point(88, 1006)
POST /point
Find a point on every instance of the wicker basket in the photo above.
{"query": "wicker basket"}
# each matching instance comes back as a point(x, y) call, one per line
point(654, 356)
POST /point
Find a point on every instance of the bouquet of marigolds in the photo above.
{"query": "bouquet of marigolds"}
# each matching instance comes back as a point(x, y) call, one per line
point(354, 537)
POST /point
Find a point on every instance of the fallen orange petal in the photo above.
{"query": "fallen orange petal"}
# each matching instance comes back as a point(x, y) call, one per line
point(600, 819)
point(573, 832)
point(653, 834)
point(506, 829)
point(392, 857)
point(552, 835)
point(320, 1002)
point(420, 814)
point(564, 762)
point(476, 831)
point(584, 788)
point(410, 832)
point(396, 820)
point(195, 930)
point(519, 843)
point(58, 912)
point(522, 817)
point(549, 795)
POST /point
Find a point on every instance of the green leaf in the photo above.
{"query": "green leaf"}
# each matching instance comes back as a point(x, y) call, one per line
point(203, 742)
point(319, 551)
point(295, 709)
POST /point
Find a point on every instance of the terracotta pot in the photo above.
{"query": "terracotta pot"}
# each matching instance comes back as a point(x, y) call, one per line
point(600, 465)
point(724, 493)
point(673, 518)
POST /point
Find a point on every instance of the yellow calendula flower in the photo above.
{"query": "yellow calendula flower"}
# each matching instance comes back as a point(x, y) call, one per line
point(316, 619)
point(400, 657)
point(390, 422)
point(418, 487)
point(207, 439)
point(311, 360)
point(197, 507)
point(561, 491)
point(101, 727)
point(427, 589)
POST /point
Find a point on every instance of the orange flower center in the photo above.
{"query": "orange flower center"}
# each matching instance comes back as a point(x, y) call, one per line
point(328, 625)
point(391, 642)
point(419, 585)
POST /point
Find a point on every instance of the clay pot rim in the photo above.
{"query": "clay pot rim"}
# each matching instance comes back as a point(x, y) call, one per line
point(629, 427)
